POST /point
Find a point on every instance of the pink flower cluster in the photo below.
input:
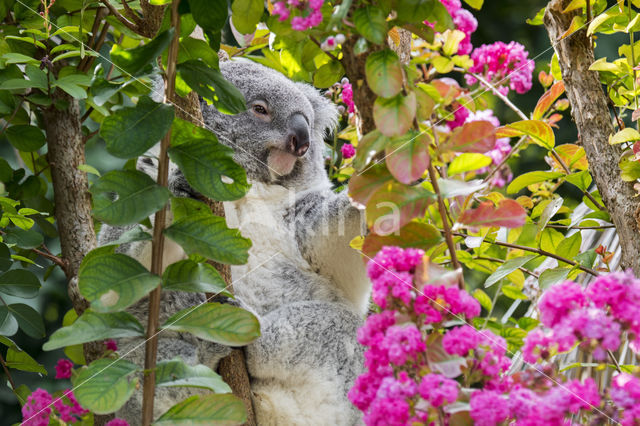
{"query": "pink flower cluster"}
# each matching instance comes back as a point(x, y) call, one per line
point(399, 387)
point(347, 95)
point(38, 408)
point(463, 20)
point(500, 63)
point(348, 151)
point(594, 318)
point(625, 392)
point(311, 10)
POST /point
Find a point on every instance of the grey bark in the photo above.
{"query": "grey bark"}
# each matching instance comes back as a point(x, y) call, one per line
point(589, 108)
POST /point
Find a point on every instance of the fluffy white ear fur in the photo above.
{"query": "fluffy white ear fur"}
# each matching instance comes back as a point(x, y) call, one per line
point(325, 111)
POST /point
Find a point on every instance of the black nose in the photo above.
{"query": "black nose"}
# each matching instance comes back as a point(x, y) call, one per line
point(298, 135)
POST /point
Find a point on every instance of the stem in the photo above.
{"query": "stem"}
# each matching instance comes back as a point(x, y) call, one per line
point(133, 27)
point(538, 251)
point(329, 54)
point(581, 227)
point(615, 361)
point(55, 259)
point(151, 345)
point(505, 159)
point(6, 371)
point(445, 224)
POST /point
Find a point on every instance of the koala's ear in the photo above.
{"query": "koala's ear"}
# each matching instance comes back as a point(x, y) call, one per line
point(325, 111)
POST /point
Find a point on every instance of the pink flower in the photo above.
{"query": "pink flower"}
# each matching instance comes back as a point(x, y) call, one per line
point(438, 390)
point(500, 63)
point(347, 96)
point(76, 408)
point(117, 422)
point(460, 115)
point(625, 390)
point(310, 13)
point(460, 340)
point(401, 388)
point(463, 20)
point(111, 345)
point(375, 328)
point(559, 300)
point(348, 151)
point(403, 342)
point(63, 369)
point(37, 409)
point(488, 408)
point(536, 346)
point(280, 9)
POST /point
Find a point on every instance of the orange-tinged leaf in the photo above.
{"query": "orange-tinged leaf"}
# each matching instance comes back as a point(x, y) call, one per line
point(573, 156)
point(548, 99)
point(408, 157)
point(476, 136)
point(414, 234)
point(363, 185)
point(541, 133)
point(384, 73)
point(577, 22)
point(394, 116)
point(509, 214)
point(394, 205)
point(448, 91)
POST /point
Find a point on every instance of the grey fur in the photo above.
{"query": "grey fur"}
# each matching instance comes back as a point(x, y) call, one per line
point(306, 285)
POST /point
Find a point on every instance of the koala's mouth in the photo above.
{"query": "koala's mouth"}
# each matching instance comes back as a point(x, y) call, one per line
point(280, 162)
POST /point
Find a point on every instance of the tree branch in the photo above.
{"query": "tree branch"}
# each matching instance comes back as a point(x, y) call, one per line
point(593, 120)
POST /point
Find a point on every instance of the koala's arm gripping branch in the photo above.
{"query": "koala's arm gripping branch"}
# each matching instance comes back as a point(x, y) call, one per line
point(591, 114)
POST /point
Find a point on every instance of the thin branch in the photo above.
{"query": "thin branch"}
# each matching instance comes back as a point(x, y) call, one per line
point(157, 248)
point(132, 26)
point(537, 251)
point(615, 361)
point(505, 159)
point(329, 54)
point(601, 227)
point(6, 371)
point(55, 259)
point(445, 223)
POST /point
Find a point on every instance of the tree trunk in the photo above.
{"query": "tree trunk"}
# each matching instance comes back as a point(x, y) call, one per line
point(593, 120)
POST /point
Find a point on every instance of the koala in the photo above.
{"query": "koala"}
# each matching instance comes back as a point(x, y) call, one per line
point(306, 285)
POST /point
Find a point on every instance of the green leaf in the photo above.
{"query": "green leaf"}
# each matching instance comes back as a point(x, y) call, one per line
point(371, 23)
point(138, 196)
point(112, 282)
point(581, 179)
point(211, 15)
point(210, 237)
point(215, 322)
point(530, 178)
point(29, 320)
point(484, 299)
point(207, 165)
point(93, 326)
point(629, 168)
point(191, 48)
point(570, 246)
point(25, 138)
point(183, 207)
point(246, 14)
point(476, 4)
point(467, 162)
point(20, 283)
point(506, 268)
point(19, 58)
point(104, 386)
point(187, 275)
point(384, 73)
point(130, 132)
point(549, 211)
point(177, 373)
point(37, 76)
point(587, 259)
point(20, 360)
point(328, 74)
point(550, 277)
point(414, 234)
point(513, 292)
point(133, 235)
point(370, 144)
point(395, 205)
point(206, 410)
point(364, 185)
point(133, 61)
point(212, 86)
point(626, 135)
point(394, 116)
point(415, 10)
point(8, 324)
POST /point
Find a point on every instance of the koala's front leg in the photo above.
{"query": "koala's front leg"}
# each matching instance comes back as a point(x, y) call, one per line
point(325, 224)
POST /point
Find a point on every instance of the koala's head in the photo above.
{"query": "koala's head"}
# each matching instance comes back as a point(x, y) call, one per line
point(279, 139)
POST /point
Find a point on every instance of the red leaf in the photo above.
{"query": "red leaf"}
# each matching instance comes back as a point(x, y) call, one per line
point(477, 136)
point(414, 234)
point(408, 157)
point(394, 116)
point(394, 205)
point(548, 99)
point(363, 185)
point(509, 214)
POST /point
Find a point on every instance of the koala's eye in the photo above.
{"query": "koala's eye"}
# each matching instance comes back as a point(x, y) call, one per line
point(259, 109)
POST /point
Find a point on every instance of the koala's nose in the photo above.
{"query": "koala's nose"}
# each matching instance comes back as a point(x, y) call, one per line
point(298, 135)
